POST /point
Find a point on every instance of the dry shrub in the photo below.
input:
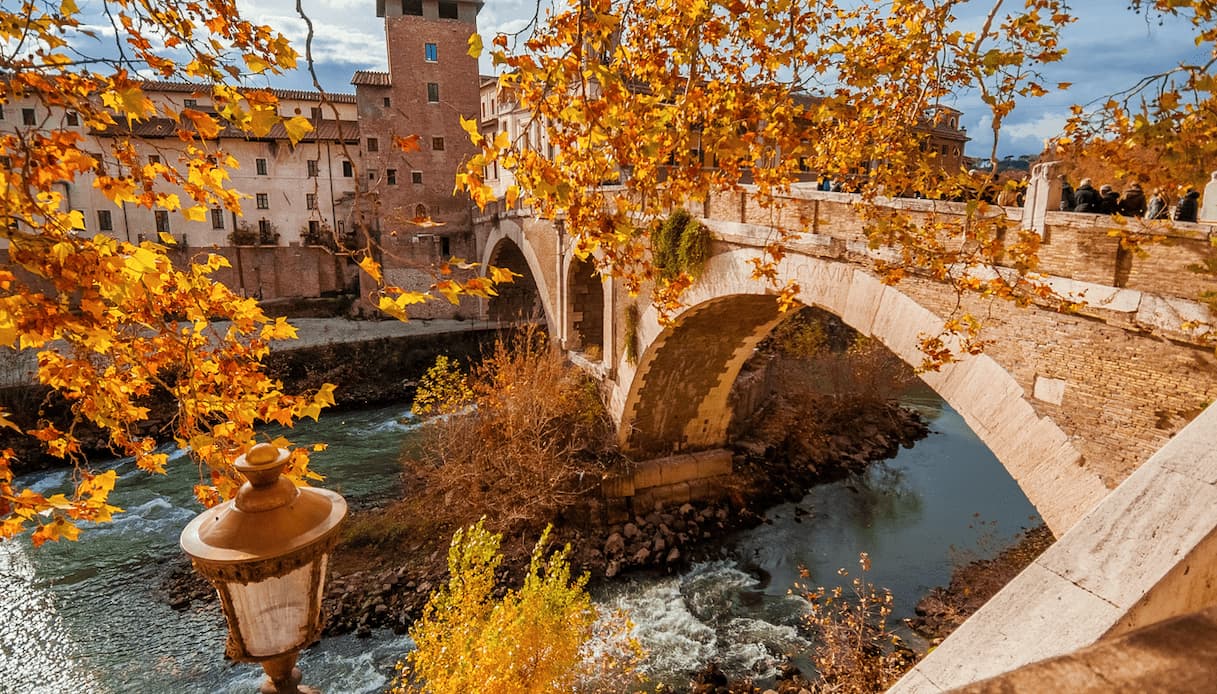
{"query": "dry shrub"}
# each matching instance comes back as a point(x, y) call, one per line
point(526, 447)
point(854, 651)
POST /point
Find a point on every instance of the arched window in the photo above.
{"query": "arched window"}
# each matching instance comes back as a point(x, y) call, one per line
point(420, 211)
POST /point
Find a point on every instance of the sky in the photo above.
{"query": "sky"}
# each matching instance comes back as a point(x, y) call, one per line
point(1109, 48)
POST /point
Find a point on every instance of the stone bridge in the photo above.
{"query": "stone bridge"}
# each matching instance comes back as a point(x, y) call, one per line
point(1070, 403)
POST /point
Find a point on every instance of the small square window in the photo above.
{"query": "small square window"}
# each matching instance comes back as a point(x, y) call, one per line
point(437, 144)
point(1, 111)
point(217, 218)
point(104, 222)
point(162, 221)
point(191, 103)
point(416, 177)
point(391, 175)
point(260, 165)
point(373, 144)
point(347, 169)
point(448, 10)
point(412, 7)
point(317, 113)
point(27, 116)
point(313, 168)
point(431, 52)
point(72, 118)
point(310, 201)
point(263, 201)
point(445, 246)
point(154, 158)
point(387, 101)
point(433, 92)
point(371, 174)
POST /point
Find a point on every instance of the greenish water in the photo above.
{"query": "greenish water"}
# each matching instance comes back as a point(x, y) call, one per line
point(84, 617)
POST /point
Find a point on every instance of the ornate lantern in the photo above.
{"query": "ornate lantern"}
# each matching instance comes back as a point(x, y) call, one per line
point(266, 553)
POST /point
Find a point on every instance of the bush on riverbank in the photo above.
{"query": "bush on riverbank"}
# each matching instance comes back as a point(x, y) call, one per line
point(532, 639)
point(524, 445)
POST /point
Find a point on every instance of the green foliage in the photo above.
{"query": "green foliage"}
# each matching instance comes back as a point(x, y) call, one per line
point(694, 249)
point(532, 640)
point(679, 244)
point(444, 389)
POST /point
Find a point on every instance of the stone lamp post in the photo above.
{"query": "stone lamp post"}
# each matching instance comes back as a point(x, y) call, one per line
point(266, 553)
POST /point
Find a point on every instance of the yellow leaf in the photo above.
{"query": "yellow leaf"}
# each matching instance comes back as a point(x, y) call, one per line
point(262, 120)
point(512, 194)
point(370, 266)
point(256, 64)
point(196, 213)
point(167, 238)
point(470, 125)
point(475, 45)
point(500, 274)
point(297, 127)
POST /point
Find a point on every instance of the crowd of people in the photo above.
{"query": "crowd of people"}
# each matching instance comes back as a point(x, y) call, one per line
point(1131, 203)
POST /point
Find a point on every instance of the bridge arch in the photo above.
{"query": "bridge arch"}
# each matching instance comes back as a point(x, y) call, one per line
point(508, 247)
point(677, 392)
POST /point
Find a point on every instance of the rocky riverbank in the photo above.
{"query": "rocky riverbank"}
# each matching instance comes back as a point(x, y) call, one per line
point(946, 607)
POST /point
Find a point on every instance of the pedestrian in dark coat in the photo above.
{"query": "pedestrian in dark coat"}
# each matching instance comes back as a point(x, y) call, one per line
point(1067, 200)
point(1157, 208)
point(1109, 200)
point(1132, 202)
point(1188, 207)
point(1086, 198)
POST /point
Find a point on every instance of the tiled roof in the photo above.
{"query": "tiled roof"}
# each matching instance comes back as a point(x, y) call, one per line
point(371, 78)
point(164, 127)
point(205, 89)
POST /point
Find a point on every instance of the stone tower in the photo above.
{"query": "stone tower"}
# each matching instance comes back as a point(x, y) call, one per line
point(431, 82)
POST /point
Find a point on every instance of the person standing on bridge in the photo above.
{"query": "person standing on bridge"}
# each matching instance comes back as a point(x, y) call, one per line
point(1188, 207)
point(1067, 200)
point(1132, 202)
point(1109, 200)
point(1157, 205)
point(1087, 198)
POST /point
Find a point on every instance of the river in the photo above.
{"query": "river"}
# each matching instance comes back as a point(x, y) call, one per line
point(85, 618)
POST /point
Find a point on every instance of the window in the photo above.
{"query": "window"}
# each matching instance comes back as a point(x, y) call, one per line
point(445, 246)
point(27, 116)
point(314, 229)
point(154, 158)
point(433, 92)
point(162, 221)
point(412, 7)
point(317, 113)
point(373, 144)
point(431, 52)
point(104, 222)
point(263, 201)
point(420, 211)
point(266, 234)
point(313, 169)
point(72, 118)
point(310, 201)
point(347, 169)
point(387, 102)
point(217, 218)
point(371, 174)
point(448, 10)
point(1, 111)
point(391, 174)
point(260, 165)
point(437, 144)
point(191, 103)
point(416, 176)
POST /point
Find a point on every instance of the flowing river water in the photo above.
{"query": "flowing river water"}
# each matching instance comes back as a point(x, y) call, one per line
point(85, 617)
